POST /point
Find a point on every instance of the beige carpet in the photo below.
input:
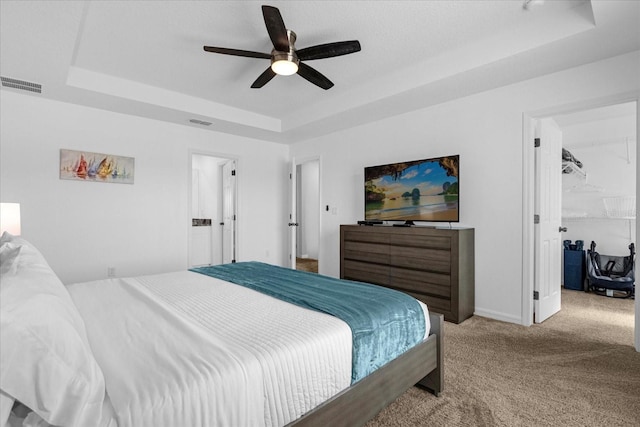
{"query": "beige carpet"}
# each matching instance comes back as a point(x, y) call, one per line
point(578, 368)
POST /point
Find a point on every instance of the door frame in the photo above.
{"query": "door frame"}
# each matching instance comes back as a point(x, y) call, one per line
point(528, 191)
point(293, 214)
point(198, 152)
point(222, 167)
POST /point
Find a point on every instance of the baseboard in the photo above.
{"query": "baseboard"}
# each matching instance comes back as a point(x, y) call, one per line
point(496, 315)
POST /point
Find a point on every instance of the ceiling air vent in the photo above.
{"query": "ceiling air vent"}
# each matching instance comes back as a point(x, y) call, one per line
point(200, 122)
point(21, 84)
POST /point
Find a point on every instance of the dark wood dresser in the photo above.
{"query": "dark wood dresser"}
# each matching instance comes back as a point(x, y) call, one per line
point(434, 265)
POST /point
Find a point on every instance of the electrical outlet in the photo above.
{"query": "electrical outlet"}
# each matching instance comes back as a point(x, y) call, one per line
point(111, 272)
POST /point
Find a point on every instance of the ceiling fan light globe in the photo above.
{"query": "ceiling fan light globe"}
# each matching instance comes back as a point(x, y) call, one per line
point(284, 67)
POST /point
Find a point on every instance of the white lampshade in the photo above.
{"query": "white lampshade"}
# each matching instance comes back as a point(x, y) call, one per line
point(10, 218)
point(284, 67)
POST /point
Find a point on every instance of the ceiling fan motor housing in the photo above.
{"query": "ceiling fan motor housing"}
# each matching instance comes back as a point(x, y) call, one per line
point(289, 56)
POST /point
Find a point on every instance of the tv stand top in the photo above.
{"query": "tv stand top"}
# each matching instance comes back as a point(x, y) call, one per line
point(444, 226)
point(373, 222)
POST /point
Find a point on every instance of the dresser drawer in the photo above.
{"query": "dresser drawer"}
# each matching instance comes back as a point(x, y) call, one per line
point(421, 282)
point(417, 241)
point(364, 251)
point(361, 234)
point(434, 304)
point(421, 259)
point(365, 272)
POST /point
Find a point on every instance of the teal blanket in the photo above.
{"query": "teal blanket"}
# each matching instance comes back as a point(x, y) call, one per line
point(384, 323)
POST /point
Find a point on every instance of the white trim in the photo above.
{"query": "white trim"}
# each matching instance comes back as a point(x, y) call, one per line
point(528, 210)
point(497, 315)
point(637, 325)
point(292, 233)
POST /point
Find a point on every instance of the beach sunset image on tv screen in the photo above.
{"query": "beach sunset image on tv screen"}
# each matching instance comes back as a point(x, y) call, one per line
point(420, 190)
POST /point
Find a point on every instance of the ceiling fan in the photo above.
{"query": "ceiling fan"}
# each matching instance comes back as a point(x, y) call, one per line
point(285, 59)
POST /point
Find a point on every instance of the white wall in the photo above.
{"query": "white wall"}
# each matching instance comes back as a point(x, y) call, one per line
point(84, 227)
point(487, 131)
point(610, 164)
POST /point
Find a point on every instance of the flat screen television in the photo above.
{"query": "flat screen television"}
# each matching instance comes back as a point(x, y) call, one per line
point(419, 190)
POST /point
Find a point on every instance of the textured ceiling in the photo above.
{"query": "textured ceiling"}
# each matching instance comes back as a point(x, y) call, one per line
point(146, 58)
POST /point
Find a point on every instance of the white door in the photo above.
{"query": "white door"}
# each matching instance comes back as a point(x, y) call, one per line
point(229, 212)
point(293, 216)
point(547, 230)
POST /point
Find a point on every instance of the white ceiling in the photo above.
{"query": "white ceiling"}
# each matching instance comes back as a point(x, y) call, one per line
point(145, 58)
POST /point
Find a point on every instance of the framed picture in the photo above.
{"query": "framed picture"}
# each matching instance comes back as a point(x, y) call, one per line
point(97, 167)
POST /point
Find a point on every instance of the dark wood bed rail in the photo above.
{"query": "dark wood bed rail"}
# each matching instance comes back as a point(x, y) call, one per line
point(422, 365)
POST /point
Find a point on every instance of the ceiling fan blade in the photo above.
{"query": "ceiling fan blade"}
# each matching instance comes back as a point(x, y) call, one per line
point(264, 78)
point(328, 50)
point(275, 27)
point(237, 52)
point(314, 76)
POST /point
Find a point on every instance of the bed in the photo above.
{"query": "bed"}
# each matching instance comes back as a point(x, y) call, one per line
point(202, 348)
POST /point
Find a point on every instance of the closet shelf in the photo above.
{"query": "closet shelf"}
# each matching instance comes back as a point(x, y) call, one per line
point(585, 188)
point(572, 168)
point(619, 207)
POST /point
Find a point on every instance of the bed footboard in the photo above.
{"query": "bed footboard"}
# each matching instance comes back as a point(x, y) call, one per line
point(356, 405)
point(434, 381)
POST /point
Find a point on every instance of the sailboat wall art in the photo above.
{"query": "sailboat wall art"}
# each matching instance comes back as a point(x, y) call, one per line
point(96, 167)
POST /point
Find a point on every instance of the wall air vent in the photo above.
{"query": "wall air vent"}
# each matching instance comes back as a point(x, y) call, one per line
point(21, 84)
point(200, 122)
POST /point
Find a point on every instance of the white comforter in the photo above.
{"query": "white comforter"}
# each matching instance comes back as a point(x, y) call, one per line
point(176, 351)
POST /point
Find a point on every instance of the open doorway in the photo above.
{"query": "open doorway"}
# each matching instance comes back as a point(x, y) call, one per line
point(213, 195)
point(306, 212)
point(599, 181)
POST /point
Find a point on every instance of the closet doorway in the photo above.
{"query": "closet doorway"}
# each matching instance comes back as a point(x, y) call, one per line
point(213, 210)
point(600, 177)
point(598, 182)
point(305, 215)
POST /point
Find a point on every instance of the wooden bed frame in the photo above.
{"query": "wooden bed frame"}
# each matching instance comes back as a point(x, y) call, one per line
point(354, 406)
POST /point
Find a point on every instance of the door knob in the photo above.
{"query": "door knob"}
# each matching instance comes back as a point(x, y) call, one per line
point(562, 229)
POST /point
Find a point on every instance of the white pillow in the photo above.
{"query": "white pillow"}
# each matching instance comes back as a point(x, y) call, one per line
point(6, 237)
point(8, 255)
point(47, 363)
